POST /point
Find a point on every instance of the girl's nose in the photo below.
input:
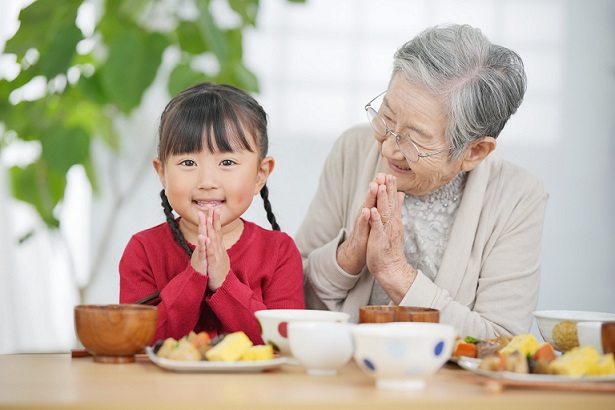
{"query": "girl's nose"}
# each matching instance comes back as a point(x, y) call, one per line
point(207, 178)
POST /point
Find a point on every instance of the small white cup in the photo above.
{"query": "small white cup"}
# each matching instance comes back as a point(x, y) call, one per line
point(590, 334)
point(321, 347)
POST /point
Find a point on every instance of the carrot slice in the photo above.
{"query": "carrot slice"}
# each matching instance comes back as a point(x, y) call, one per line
point(465, 349)
point(545, 352)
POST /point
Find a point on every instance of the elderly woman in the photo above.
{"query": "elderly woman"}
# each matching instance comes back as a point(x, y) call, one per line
point(417, 210)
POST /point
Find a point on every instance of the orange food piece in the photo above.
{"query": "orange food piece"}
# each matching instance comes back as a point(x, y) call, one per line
point(202, 339)
point(465, 349)
point(545, 352)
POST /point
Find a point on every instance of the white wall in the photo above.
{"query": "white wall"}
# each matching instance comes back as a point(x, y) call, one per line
point(318, 64)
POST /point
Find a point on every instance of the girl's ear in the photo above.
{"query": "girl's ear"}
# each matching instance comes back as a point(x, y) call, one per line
point(159, 170)
point(264, 170)
point(476, 152)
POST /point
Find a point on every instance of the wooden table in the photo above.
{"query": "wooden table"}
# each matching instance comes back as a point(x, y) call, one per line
point(59, 381)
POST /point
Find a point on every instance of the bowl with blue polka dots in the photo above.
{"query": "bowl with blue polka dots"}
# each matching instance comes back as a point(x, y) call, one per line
point(402, 355)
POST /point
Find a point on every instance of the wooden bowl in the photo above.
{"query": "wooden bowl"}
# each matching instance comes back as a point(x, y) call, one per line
point(608, 337)
point(115, 333)
point(385, 314)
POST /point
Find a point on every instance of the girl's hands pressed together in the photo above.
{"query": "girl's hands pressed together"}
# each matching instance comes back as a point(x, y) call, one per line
point(199, 256)
point(210, 257)
point(218, 262)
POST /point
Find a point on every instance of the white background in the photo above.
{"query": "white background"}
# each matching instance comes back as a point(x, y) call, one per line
point(318, 64)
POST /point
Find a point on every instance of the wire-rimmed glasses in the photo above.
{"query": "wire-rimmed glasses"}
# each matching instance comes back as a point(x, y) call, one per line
point(405, 144)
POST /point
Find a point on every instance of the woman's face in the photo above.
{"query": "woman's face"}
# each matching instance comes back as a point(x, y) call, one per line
point(413, 112)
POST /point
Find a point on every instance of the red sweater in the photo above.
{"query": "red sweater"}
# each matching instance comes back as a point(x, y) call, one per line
point(266, 273)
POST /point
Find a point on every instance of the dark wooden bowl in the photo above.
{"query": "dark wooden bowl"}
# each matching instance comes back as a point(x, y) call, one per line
point(385, 314)
point(608, 337)
point(115, 333)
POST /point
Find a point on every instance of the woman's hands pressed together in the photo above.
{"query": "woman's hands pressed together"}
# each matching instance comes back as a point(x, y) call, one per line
point(210, 257)
point(377, 240)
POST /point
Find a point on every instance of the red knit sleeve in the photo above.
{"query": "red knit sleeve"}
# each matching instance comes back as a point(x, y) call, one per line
point(181, 296)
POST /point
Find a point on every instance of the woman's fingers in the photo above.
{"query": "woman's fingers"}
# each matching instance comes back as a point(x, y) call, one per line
point(351, 252)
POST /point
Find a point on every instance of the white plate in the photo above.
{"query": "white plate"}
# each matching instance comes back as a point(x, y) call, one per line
point(472, 365)
point(214, 367)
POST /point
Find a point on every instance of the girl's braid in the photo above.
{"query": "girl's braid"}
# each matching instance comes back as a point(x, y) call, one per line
point(168, 211)
point(267, 204)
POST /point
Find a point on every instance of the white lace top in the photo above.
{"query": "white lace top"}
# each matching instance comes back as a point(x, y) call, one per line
point(427, 221)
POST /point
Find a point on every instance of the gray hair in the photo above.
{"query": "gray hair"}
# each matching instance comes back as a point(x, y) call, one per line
point(480, 84)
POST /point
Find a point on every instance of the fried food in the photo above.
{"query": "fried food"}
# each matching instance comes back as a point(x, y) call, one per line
point(565, 335)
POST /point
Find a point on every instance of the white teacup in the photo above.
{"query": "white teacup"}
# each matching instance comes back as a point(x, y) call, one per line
point(321, 347)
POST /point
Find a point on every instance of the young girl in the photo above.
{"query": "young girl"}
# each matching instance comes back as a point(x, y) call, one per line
point(210, 269)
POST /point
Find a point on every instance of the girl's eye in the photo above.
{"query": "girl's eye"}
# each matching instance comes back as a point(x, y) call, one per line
point(188, 163)
point(227, 162)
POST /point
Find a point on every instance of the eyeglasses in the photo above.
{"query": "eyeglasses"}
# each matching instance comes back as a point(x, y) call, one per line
point(405, 144)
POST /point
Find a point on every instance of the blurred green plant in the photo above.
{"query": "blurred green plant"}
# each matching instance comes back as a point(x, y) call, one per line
point(91, 76)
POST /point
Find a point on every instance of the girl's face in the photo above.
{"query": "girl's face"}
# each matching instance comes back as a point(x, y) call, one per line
point(413, 112)
point(201, 181)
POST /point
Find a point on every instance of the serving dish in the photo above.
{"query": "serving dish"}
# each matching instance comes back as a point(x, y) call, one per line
point(471, 364)
point(204, 366)
point(559, 327)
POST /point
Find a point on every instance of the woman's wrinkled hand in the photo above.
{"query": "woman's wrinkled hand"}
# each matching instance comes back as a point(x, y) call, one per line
point(351, 253)
point(385, 257)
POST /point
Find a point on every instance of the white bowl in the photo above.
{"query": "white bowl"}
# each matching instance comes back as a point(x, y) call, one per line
point(565, 323)
point(401, 356)
point(274, 325)
point(321, 347)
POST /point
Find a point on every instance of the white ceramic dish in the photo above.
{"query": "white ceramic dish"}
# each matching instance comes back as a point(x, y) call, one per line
point(402, 355)
point(472, 365)
point(274, 325)
point(321, 347)
point(204, 366)
point(548, 319)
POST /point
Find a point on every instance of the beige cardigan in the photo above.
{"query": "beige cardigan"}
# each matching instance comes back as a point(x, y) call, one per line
point(488, 280)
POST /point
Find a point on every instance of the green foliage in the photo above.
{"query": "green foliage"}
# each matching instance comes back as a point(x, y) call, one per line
point(87, 87)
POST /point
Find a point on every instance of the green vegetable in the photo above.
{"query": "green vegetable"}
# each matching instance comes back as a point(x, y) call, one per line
point(470, 339)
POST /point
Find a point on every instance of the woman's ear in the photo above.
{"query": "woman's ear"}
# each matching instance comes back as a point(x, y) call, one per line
point(476, 152)
point(264, 170)
point(159, 170)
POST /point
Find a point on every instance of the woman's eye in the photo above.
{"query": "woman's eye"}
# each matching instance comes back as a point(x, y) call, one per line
point(227, 162)
point(188, 163)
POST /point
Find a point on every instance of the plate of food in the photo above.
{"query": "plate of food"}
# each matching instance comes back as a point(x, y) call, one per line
point(197, 353)
point(523, 359)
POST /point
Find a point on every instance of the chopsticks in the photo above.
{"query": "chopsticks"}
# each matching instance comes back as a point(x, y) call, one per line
point(152, 299)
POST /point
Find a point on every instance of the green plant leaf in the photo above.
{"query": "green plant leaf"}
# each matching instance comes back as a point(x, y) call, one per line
point(247, 9)
point(34, 184)
point(40, 22)
point(65, 147)
point(216, 42)
point(190, 38)
point(182, 77)
point(57, 57)
point(134, 58)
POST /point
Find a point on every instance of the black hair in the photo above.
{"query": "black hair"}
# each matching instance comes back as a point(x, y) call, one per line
point(211, 116)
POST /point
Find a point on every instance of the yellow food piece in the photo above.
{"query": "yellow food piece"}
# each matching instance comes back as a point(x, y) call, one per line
point(604, 366)
point(524, 344)
point(260, 352)
point(576, 362)
point(565, 336)
point(230, 348)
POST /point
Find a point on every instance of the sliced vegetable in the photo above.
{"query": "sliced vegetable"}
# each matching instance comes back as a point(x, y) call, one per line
point(465, 349)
